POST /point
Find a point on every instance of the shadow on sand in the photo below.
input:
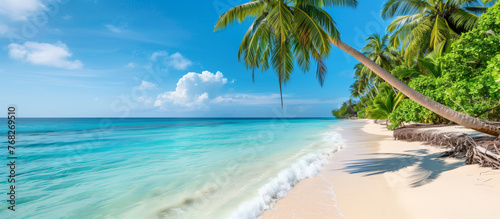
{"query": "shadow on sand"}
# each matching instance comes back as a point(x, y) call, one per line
point(414, 167)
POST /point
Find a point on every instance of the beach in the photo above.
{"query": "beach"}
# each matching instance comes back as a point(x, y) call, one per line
point(375, 176)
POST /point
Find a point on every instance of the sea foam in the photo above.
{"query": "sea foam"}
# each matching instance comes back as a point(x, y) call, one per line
point(305, 167)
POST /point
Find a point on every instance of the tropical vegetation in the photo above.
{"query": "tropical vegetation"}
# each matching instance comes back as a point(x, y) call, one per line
point(463, 77)
point(424, 45)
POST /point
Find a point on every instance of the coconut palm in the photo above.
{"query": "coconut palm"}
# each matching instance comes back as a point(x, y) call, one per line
point(425, 25)
point(368, 81)
point(283, 31)
point(378, 50)
point(298, 29)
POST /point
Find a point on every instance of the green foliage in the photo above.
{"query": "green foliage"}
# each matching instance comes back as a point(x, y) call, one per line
point(470, 82)
point(493, 71)
point(384, 105)
point(405, 73)
point(491, 20)
point(362, 113)
point(344, 111)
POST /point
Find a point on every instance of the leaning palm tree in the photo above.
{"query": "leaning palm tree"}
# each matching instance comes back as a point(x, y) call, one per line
point(301, 29)
point(426, 25)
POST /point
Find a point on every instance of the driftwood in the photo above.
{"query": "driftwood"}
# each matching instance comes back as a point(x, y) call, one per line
point(488, 156)
point(484, 151)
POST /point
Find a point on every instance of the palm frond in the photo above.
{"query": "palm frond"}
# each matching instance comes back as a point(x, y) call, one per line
point(393, 8)
point(464, 19)
point(240, 13)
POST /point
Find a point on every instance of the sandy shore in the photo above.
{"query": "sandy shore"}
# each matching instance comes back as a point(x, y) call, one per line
point(375, 176)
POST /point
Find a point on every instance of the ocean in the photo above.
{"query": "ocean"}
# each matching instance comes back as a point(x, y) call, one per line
point(161, 167)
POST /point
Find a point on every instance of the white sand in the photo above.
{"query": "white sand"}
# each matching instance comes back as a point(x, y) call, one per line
point(377, 177)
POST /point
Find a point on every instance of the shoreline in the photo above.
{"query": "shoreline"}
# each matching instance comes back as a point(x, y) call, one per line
point(375, 176)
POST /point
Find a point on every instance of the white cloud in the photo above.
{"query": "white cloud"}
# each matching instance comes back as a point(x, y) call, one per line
point(20, 9)
point(145, 85)
point(53, 55)
point(176, 60)
point(67, 17)
point(193, 91)
point(200, 92)
point(112, 28)
point(157, 54)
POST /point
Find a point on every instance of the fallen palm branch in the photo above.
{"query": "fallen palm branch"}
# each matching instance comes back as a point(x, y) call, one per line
point(482, 150)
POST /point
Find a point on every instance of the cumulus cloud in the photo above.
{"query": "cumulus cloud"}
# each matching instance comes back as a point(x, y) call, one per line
point(20, 9)
point(193, 91)
point(53, 55)
point(176, 60)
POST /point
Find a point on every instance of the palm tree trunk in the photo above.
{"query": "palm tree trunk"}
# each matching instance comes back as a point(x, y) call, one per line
point(452, 115)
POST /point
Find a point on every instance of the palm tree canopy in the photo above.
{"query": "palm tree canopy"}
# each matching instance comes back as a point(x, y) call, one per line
point(378, 50)
point(423, 25)
point(284, 34)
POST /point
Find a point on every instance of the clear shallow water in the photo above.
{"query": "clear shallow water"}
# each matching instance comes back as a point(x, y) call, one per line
point(162, 168)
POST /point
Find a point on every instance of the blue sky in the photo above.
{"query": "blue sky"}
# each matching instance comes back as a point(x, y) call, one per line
point(94, 58)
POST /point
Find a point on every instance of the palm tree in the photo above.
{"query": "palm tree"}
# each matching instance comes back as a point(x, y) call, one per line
point(368, 80)
point(378, 50)
point(452, 115)
point(283, 31)
point(298, 28)
point(425, 25)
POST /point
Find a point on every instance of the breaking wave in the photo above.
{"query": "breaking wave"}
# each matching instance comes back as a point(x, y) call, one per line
point(307, 166)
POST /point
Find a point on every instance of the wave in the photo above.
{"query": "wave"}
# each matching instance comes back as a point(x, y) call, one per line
point(307, 166)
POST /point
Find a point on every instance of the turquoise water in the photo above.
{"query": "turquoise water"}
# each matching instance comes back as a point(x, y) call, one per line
point(162, 168)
